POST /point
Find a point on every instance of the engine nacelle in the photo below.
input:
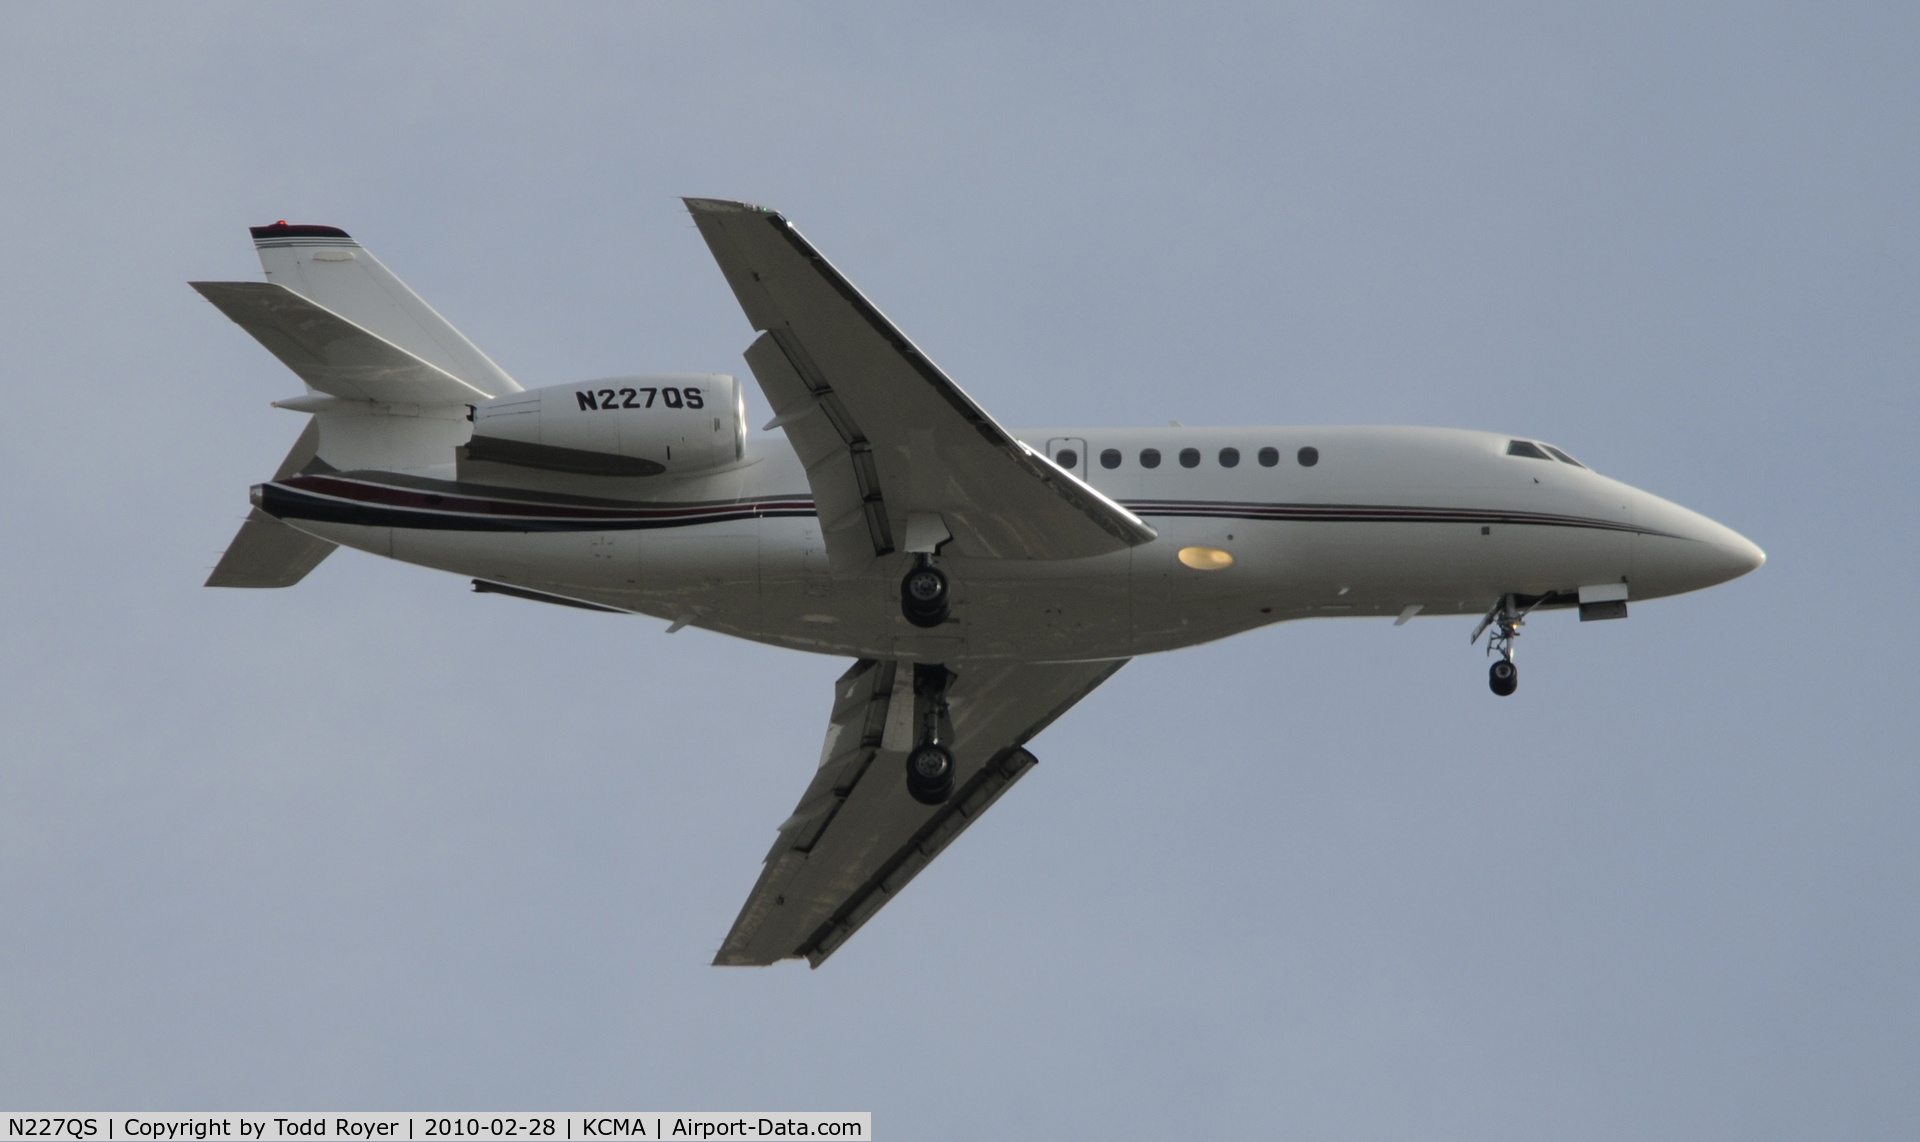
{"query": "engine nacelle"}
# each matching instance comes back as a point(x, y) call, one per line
point(616, 426)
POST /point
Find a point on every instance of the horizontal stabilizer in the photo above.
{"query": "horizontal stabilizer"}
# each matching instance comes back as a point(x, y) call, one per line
point(268, 553)
point(332, 354)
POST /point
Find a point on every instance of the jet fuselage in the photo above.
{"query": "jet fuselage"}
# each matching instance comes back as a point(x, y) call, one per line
point(1383, 519)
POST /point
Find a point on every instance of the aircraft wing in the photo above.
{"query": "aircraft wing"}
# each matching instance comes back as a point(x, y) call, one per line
point(329, 352)
point(857, 837)
point(895, 451)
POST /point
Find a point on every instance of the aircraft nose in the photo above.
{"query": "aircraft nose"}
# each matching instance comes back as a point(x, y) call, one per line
point(1733, 554)
point(1728, 555)
point(1727, 551)
point(1686, 551)
point(1747, 554)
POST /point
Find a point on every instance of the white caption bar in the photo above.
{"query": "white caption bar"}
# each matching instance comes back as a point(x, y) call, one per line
point(569, 1127)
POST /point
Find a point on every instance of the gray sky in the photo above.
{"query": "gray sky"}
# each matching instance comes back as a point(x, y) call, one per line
point(376, 842)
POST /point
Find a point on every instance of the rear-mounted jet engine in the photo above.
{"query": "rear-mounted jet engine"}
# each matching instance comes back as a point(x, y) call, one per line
point(617, 426)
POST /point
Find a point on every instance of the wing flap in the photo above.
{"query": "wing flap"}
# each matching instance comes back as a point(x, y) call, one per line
point(857, 838)
point(330, 353)
point(846, 497)
point(986, 786)
point(929, 447)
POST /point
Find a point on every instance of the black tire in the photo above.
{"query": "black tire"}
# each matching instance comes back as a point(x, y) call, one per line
point(930, 774)
point(1503, 678)
point(923, 596)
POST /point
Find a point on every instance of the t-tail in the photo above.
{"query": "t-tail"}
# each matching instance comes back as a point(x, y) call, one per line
point(388, 380)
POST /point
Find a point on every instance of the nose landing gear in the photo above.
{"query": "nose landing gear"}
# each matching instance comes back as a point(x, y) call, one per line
point(930, 763)
point(1503, 677)
point(1506, 618)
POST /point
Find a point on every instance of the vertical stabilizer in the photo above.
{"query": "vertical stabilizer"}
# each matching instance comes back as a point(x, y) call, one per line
point(325, 266)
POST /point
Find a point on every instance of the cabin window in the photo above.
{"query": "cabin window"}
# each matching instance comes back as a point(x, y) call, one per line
point(1229, 457)
point(1562, 456)
point(1110, 458)
point(1528, 449)
point(1149, 457)
point(1189, 457)
point(1067, 458)
point(1269, 457)
point(1308, 456)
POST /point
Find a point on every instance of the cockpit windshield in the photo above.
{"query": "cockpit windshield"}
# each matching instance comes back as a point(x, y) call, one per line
point(1559, 455)
point(1533, 451)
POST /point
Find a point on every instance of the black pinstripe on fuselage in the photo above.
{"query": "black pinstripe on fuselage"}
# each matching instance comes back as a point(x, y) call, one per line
point(446, 506)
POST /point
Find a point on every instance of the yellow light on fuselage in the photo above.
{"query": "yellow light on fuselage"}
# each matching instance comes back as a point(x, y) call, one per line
point(1206, 558)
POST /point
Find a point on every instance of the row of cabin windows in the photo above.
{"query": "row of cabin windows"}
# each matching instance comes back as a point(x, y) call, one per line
point(1190, 457)
point(1268, 457)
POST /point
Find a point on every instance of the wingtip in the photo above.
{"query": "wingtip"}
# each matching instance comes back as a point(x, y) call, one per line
point(215, 292)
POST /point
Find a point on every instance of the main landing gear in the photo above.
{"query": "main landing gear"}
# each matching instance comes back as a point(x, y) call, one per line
point(924, 595)
point(1506, 618)
point(925, 600)
point(930, 763)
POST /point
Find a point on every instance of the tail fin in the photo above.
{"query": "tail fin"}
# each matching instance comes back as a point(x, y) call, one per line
point(266, 552)
point(326, 266)
point(350, 329)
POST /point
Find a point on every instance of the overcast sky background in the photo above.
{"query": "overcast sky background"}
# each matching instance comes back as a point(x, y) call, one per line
point(375, 842)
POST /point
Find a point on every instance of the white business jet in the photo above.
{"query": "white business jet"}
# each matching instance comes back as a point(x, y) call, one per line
point(985, 579)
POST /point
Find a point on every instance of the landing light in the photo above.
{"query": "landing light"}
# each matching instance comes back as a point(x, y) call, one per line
point(1206, 558)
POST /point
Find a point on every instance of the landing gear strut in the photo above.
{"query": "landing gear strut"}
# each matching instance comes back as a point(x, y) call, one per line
point(924, 595)
point(930, 763)
point(1506, 618)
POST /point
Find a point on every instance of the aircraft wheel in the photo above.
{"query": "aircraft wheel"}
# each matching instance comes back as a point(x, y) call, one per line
point(1503, 678)
point(923, 596)
point(930, 774)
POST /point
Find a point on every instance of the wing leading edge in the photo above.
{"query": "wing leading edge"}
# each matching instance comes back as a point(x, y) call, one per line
point(884, 433)
point(856, 838)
